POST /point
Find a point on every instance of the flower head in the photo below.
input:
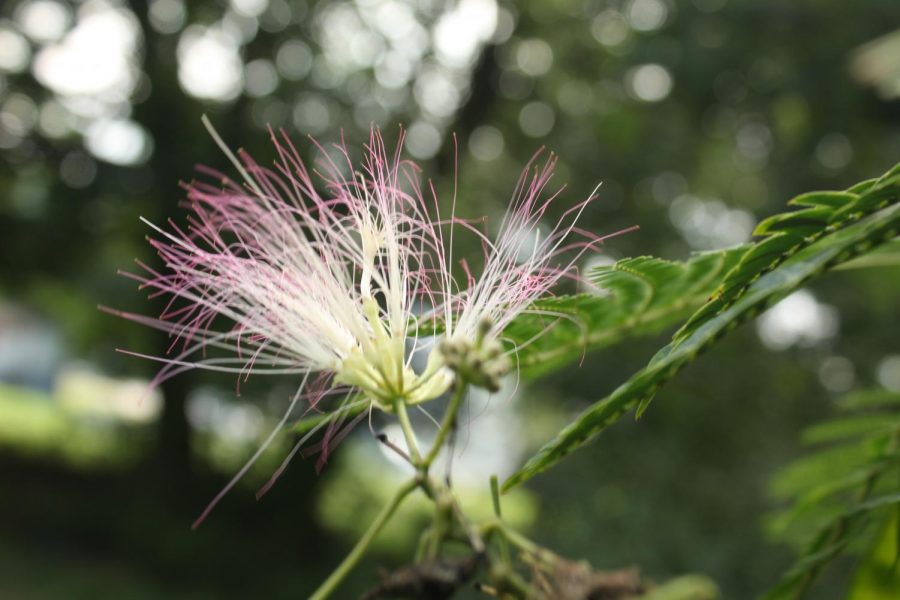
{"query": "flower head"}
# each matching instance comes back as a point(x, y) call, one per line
point(305, 281)
point(522, 263)
point(317, 274)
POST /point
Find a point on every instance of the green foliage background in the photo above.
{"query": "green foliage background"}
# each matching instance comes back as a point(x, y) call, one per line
point(768, 100)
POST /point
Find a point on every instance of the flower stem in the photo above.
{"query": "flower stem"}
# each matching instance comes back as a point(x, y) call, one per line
point(448, 422)
point(408, 433)
point(495, 496)
point(520, 541)
point(442, 521)
point(445, 502)
point(337, 576)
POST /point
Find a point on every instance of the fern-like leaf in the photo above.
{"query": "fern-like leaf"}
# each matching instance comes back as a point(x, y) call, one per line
point(866, 216)
point(645, 296)
point(839, 491)
point(786, 234)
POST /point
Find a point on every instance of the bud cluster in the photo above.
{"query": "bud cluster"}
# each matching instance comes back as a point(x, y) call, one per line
point(481, 362)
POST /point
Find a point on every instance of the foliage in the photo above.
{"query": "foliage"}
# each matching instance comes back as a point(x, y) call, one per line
point(638, 296)
point(845, 493)
point(796, 248)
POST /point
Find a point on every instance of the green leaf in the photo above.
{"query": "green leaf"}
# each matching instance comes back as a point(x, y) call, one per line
point(830, 199)
point(870, 399)
point(806, 568)
point(840, 490)
point(825, 466)
point(645, 295)
point(849, 427)
point(788, 233)
point(742, 296)
point(686, 587)
point(886, 255)
point(830, 542)
point(874, 503)
point(801, 222)
point(878, 577)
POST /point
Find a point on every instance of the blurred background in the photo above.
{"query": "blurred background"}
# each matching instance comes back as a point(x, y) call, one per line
point(700, 118)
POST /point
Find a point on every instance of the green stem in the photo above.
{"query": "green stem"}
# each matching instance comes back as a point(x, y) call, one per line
point(443, 497)
point(423, 546)
point(520, 541)
point(408, 433)
point(472, 532)
point(495, 496)
point(528, 547)
point(448, 422)
point(513, 585)
point(441, 528)
point(337, 576)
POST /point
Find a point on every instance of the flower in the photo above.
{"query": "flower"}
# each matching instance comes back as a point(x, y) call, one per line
point(309, 282)
point(274, 277)
point(317, 273)
point(522, 264)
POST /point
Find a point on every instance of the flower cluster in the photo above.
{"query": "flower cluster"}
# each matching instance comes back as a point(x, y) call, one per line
point(322, 274)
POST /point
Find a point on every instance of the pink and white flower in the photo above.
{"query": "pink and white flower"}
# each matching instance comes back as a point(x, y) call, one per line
point(305, 282)
point(524, 261)
point(317, 274)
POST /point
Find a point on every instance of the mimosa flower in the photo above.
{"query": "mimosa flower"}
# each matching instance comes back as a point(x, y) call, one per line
point(522, 264)
point(274, 277)
point(316, 274)
point(309, 282)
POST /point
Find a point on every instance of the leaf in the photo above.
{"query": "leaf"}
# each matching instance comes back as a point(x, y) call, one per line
point(786, 588)
point(686, 587)
point(788, 233)
point(870, 399)
point(830, 199)
point(886, 255)
point(824, 466)
point(741, 297)
point(874, 503)
point(840, 490)
point(878, 577)
point(839, 429)
point(644, 296)
point(827, 546)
